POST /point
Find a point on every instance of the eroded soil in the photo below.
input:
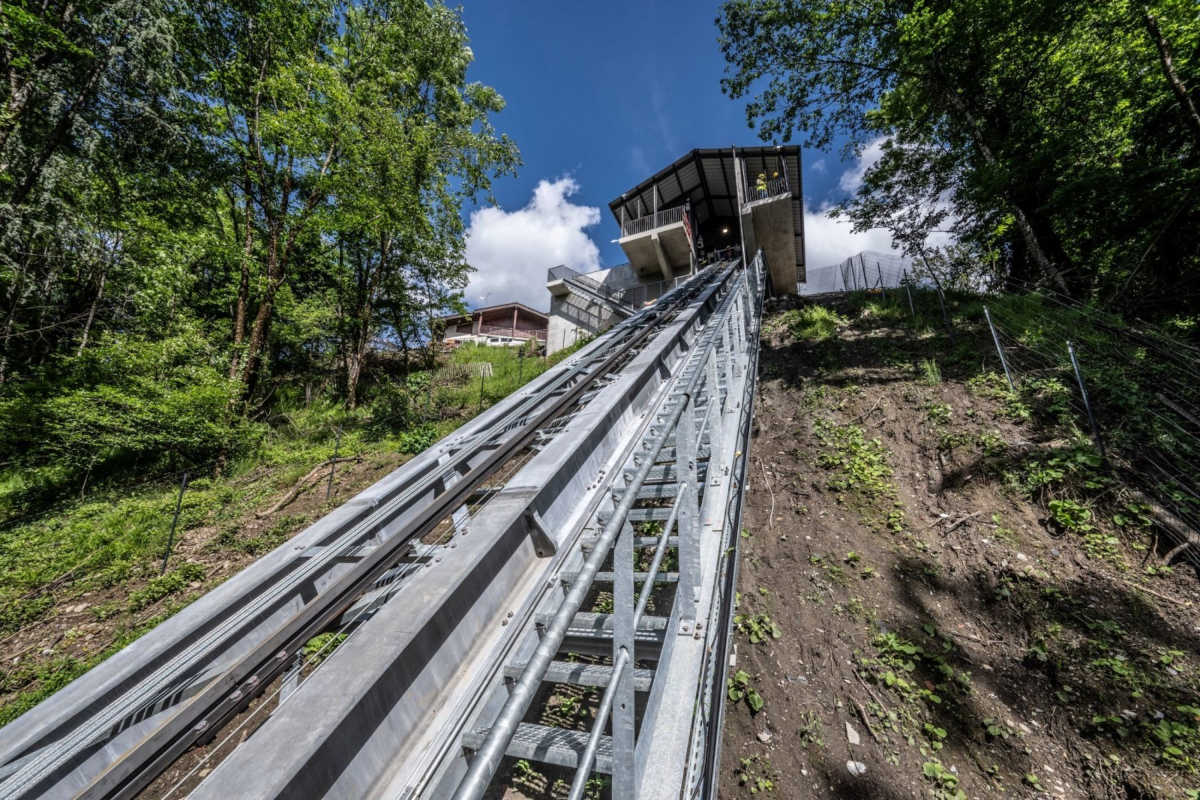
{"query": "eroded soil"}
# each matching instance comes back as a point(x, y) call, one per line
point(915, 622)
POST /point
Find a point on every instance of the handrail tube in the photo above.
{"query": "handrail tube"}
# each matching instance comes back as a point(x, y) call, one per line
point(638, 225)
point(487, 758)
point(579, 784)
point(663, 538)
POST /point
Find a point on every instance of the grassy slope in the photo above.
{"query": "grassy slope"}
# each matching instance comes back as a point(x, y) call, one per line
point(81, 582)
point(947, 567)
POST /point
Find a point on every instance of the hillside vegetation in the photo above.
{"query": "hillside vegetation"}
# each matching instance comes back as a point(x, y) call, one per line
point(86, 577)
point(945, 590)
point(226, 230)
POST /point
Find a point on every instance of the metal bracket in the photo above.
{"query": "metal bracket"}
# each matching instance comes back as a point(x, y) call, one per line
point(543, 543)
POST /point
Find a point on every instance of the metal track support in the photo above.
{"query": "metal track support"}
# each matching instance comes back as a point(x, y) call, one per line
point(623, 654)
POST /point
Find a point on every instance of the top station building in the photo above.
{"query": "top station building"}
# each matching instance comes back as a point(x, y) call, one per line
point(707, 204)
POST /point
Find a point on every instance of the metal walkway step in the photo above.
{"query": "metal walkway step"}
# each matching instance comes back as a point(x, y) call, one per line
point(595, 675)
point(668, 455)
point(591, 626)
point(655, 491)
point(665, 473)
point(638, 515)
point(588, 542)
point(557, 746)
point(607, 577)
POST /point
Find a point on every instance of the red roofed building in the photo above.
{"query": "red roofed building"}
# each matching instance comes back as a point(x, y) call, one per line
point(506, 325)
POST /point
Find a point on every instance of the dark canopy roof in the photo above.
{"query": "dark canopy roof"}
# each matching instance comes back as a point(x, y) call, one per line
point(706, 177)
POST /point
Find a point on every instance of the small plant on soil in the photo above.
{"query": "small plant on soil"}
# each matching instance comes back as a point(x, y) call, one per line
point(1070, 516)
point(321, 646)
point(938, 413)
point(990, 443)
point(170, 583)
point(809, 732)
point(931, 374)
point(837, 574)
point(995, 729)
point(945, 782)
point(858, 465)
point(757, 627)
point(755, 774)
point(604, 603)
point(739, 688)
point(595, 787)
point(811, 323)
point(936, 736)
point(522, 770)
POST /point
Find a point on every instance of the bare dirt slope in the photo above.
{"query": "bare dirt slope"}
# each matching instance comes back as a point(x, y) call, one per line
point(909, 605)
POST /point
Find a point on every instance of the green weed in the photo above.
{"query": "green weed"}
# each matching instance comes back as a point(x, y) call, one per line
point(739, 688)
point(757, 628)
point(811, 323)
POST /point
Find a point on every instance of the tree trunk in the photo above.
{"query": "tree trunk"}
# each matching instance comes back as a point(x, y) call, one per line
point(243, 297)
point(354, 360)
point(87, 326)
point(1168, 68)
point(58, 134)
point(18, 286)
point(262, 319)
point(1036, 251)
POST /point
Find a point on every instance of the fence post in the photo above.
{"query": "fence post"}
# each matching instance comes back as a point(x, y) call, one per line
point(1087, 405)
point(481, 386)
point(337, 444)
point(174, 522)
point(999, 349)
point(911, 309)
point(882, 288)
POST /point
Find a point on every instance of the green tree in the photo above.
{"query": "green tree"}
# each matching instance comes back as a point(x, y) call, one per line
point(1050, 136)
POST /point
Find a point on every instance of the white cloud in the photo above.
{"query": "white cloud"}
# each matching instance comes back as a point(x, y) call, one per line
point(819, 166)
point(853, 177)
point(511, 250)
point(830, 241)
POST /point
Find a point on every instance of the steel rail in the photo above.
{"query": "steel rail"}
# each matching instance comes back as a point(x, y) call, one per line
point(245, 678)
point(490, 753)
point(253, 671)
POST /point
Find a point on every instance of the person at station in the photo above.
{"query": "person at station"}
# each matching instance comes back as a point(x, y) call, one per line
point(760, 185)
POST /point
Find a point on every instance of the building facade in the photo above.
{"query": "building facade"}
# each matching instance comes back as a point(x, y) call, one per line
point(505, 325)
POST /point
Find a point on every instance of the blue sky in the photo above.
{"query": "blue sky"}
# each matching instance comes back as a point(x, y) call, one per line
point(600, 96)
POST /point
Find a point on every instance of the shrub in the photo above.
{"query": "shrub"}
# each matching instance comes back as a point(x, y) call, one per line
point(159, 404)
point(814, 323)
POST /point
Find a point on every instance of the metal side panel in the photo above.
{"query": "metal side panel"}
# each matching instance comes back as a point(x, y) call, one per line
point(673, 704)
